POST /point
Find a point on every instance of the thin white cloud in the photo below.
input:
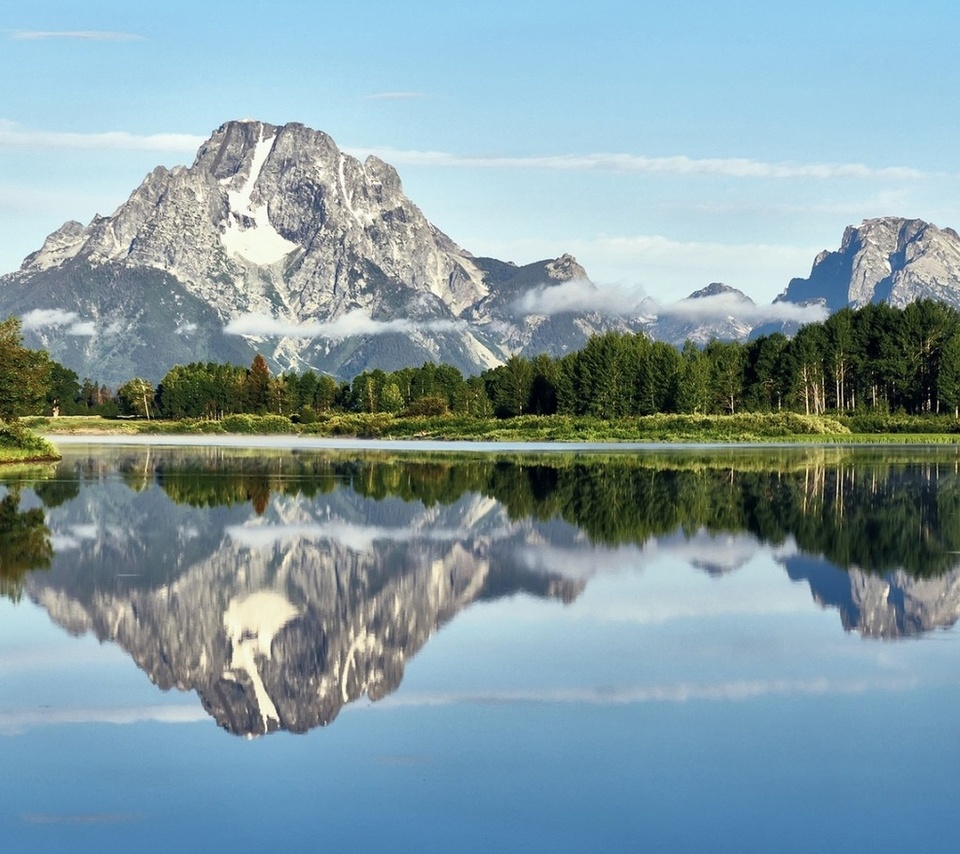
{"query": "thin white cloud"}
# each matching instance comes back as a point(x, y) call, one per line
point(82, 35)
point(731, 167)
point(12, 135)
point(38, 318)
point(352, 323)
point(396, 96)
point(84, 329)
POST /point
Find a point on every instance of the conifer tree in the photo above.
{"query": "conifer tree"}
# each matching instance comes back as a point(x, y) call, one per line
point(24, 374)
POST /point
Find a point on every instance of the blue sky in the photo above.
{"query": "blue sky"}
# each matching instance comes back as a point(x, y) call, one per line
point(665, 145)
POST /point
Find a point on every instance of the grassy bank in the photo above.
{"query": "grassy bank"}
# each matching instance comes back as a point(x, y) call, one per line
point(747, 427)
point(20, 445)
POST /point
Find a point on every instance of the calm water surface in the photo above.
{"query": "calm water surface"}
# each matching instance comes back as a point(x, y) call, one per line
point(207, 648)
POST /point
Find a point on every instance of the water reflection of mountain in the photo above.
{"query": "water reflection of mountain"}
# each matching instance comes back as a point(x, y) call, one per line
point(888, 605)
point(280, 589)
point(24, 543)
point(276, 613)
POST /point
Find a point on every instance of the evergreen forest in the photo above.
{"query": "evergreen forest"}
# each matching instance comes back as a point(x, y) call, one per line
point(876, 359)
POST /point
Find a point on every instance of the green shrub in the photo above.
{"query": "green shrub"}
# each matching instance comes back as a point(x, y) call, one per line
point(880, 422)
point(307, 415)
point(257, 424)
point(19, 443)
point(430, 406)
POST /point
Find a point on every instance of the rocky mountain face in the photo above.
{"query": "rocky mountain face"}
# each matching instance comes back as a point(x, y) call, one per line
point(276, 241)
point(890, 260)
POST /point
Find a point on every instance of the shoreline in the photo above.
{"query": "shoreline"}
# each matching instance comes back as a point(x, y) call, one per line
point(295, 442)
point(547, 433)
point(320, 443)
point(29, 461)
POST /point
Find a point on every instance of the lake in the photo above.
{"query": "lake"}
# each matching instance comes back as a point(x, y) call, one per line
point(299, 648)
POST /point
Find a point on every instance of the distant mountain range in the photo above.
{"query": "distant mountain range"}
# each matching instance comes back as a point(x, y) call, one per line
point(275, 241)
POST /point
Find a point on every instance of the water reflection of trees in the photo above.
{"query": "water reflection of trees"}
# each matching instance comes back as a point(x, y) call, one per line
point(870, 511)
point(24, 544)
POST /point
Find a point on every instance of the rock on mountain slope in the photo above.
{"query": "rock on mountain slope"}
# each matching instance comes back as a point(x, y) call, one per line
point(890, 260)
point(276, 241)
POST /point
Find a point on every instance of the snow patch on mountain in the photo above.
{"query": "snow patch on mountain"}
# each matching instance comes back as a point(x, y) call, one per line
point(249, 233)
point(363, 219)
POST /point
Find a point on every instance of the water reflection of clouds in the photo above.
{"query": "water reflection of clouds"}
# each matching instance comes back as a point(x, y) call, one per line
point(680, 692)
point(716, 554)
point(73, 536)
point(85, 818)
point(578, 562)
point(358, 538)
point(17, 722)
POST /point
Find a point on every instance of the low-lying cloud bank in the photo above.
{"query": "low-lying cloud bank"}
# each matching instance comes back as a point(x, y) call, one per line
point(579, 295)
point(719, 306)
point(575, 296)
point(352, 323)
point(41, 318)
point(583, 296)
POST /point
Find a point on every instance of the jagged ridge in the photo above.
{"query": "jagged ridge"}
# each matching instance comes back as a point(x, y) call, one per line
point(269, 229)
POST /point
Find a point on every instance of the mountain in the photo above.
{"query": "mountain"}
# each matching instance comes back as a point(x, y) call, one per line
point(716, 311)
point(276, 241)
point(890, 260)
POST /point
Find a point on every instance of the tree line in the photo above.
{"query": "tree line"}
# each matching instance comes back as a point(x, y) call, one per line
point(878, 358)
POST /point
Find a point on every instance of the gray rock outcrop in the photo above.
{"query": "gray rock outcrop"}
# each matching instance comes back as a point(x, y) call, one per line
point(890, 260)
